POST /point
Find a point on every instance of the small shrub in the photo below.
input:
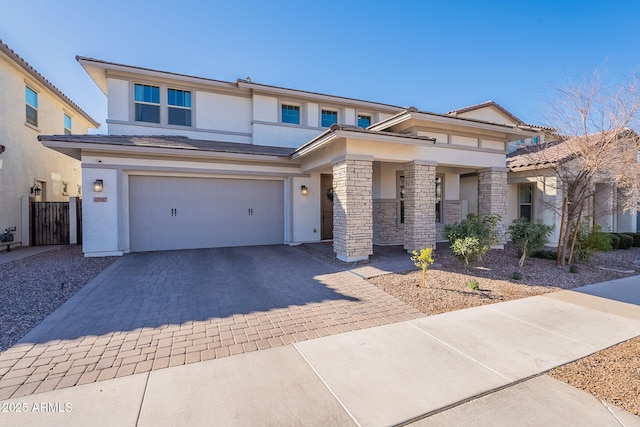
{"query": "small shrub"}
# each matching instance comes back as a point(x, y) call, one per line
point(474, 285)
point(468, 250)
point(528, 237)
point(636, 239)
point(615, 241)
point(423, 260)
point(626, 241)
point(545, 254)
point(516, 276)
point(573, 269)
point(471, 238)
point(590, 240)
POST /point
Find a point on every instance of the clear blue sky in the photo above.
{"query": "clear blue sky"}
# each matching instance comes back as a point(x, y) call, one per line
point(435, 55)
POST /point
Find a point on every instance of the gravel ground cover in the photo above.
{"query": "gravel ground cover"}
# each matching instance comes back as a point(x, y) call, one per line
point(612, 374)
point(32, 288)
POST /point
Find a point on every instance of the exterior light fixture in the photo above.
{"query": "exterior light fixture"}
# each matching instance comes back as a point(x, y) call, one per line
point(36, 190)
point(304, 190)
point(97, 186)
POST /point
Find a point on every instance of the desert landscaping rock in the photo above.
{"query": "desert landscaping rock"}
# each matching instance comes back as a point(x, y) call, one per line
point(32, 288)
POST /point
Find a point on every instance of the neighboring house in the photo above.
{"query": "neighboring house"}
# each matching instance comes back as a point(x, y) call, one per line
point(29, 106)
point(208, 163)
point(535, 188)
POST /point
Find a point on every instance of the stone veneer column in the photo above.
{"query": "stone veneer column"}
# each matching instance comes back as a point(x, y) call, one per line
point(352, 208)
point(419, 205)
point(492, 197)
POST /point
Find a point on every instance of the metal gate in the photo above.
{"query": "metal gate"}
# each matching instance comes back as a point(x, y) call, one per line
point(50, 223)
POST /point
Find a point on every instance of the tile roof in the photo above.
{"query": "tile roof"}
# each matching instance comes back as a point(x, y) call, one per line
point(40, 78)
point(172, 142)
point(534, 156)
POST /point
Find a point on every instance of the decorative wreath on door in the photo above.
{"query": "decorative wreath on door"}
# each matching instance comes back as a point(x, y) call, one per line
point(330, 194)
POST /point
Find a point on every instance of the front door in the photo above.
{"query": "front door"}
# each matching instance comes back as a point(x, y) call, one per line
point(326, 205)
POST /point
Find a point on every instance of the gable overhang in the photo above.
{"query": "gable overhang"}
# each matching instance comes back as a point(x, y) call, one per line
point(413, 118)
point(100, 71)
point(79, 149)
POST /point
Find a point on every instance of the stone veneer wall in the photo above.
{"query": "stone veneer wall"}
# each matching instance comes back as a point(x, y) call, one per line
point(385, 223)
point(352, 209)
point(419, 206)
point(492, 197)
point(452, 211)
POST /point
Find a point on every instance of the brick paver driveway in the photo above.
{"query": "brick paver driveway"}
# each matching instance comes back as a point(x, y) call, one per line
point(155, 310)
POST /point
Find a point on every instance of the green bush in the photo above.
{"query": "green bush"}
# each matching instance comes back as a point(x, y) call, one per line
point(626, 241)
point(528, 237)
point(516, 276)
point(471, 238)
point(590, 241)
point(474, 285)
point(636, 239)
point(573, 269)
point(615, 241)
point(545, 254)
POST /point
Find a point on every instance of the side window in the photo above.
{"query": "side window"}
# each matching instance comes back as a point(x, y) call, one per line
point(400, 199)
point(32, 106)
point(364, 121)
point(525, 201)
point(147, 103)
point(179, 107)
point(290, 114)
point(67, 124)
point(438, 199)
point(329, 118)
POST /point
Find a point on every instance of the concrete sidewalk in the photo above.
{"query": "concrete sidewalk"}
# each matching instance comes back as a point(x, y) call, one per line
point(477, 366)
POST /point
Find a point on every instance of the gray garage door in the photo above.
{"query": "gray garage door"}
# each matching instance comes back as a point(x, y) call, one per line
point(183, 213)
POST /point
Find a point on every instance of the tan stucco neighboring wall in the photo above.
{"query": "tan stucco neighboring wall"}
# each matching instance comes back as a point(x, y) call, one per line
point(25, 160)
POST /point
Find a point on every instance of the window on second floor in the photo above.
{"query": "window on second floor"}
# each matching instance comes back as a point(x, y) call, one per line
point(290, 114)
point(329, 118)
point(32, 106)
point(67, 124)
point(147, 103)
point(179, 105)
point(364, 121)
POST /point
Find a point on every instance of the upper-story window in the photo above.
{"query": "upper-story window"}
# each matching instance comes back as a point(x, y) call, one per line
point(290, 114)
point(67, 124)
point(179, 104)
point(32, 106)
point(364, 120)
point(329, 117)
point(147, 103)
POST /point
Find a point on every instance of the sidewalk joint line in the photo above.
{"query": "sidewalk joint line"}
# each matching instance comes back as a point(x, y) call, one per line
point(611, 412)
point(326, 385)
point(144, 393)
point(462, 353)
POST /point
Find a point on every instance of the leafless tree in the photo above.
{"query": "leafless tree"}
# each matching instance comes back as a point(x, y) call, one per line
point(594, 143)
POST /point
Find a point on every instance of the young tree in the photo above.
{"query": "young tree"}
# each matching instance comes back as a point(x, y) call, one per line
point(594, 142)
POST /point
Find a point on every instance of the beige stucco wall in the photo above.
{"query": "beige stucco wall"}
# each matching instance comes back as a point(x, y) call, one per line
point(25, 159)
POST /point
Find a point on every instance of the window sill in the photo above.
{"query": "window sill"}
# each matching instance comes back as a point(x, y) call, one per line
point(29, 125)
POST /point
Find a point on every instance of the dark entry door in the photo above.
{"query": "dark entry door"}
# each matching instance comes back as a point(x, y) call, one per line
point(326, 205)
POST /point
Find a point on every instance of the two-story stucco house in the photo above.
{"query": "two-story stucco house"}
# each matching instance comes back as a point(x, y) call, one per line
point(192, 162)
point(30, 105)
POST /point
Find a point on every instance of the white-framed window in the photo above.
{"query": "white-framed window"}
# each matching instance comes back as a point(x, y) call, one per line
point(67, 124)
point(146, 99)
point(328, 118)
point(525, 201)
point(65, 188)
point(364, 120)
point(290, 113)
point(179, 107)
point(31, 97)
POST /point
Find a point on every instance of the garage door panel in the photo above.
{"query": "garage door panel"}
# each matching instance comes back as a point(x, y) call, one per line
point(181, 213)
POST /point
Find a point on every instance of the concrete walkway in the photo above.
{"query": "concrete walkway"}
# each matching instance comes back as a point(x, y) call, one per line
point(23, 252)
point(479, 366)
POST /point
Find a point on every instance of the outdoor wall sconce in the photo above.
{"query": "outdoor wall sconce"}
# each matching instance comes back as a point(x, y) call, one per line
point(36, 190)
point(97, 186)
point(304, 190)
